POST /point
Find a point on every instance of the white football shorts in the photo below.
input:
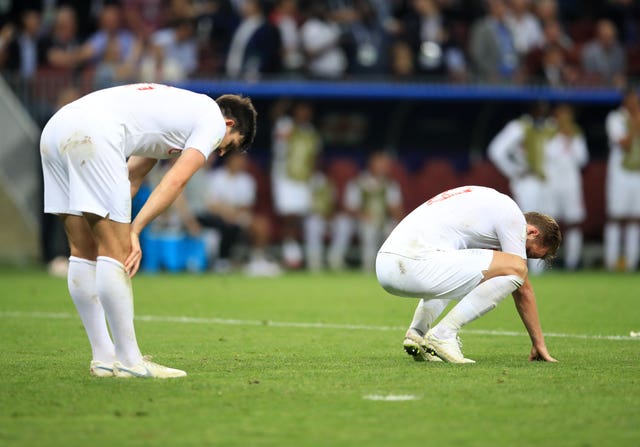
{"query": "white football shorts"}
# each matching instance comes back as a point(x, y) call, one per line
point(439, 274)
point(84, 167)
point(623, 199)
point(291, 197)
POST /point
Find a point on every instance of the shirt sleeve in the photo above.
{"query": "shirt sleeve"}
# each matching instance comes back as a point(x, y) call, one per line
point(511, 229)
point(394, 195)
point(207, 134)
point(616, 130)
point(502, 149)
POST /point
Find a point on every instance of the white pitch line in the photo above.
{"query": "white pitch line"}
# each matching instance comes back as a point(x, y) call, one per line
point(302, 325)
point(391, 397)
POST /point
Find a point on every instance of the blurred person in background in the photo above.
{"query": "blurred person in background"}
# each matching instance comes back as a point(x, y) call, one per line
point(110, 32)
point(554, 69)
point(604, 58)
point(286, 17)
point(322, 44)
point(434, 50)
point(318, 223)
point(113, 69)
point(518, 151)
point(256, 45)
point(222, 200)
point(172, 54)
point(566, 155)
point(366, 40)
point(373, 202)
point(22, 46)
point(623, 184)
point(296, 148)
point(61, 46)
point(525, 27)
point(492, 46)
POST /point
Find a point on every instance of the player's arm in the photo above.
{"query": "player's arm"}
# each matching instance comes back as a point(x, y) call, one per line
point(525, 301)
point(169, 188)
point(500, 150)
point(138, 168)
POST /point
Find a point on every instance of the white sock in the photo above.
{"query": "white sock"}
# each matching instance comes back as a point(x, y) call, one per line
point(314, 229)
point(478, 302)
point(426, 313)
point(632, 246)
point(114, 287)
point(573, 248)
point(612, 233)
point(81, 280)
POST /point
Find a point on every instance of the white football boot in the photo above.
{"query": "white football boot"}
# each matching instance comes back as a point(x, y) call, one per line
point(448, 349)
point(100, 369)
point(415, 345)
point(146, 368)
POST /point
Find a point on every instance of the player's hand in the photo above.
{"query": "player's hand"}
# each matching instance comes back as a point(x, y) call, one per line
point(540, 355)
point(132, 263)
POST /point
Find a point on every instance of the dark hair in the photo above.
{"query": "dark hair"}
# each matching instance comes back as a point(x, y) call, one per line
point(241, 111)
point(549, 229)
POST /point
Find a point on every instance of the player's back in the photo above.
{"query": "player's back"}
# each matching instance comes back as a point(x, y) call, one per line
point(464, 217)
point(153, 115)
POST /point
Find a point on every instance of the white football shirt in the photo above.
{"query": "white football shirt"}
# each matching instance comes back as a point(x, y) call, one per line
point(159, 121)
point(461, 218)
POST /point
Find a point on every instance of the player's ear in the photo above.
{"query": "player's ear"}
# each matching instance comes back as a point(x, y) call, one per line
point(229, 122)
point(532, 232)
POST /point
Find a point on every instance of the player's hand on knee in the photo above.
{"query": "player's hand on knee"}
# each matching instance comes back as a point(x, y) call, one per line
point(541, 355)
point(132, 263)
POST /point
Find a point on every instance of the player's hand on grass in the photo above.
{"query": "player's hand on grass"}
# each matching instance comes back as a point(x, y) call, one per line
point(132, 263)
point(540, 354)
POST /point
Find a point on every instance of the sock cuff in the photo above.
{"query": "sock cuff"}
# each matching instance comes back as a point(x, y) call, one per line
point(82, 260)
point(111, 261)
point(516, 280)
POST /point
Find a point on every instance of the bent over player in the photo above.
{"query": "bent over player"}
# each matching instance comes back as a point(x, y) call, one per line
point(95, 152)
point(468, 244)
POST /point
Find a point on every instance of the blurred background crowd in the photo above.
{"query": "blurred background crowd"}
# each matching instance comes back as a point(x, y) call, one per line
point(326, 181)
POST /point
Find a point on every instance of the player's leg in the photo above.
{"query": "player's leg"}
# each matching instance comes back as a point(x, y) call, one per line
point(314, 230)
point(369, 239)
point(572, 246)
point(617, 207)
point(503, 276)
point(82, 288)
point(632, 244)
point(342, 228)
point(425, 314)
point(114, 287)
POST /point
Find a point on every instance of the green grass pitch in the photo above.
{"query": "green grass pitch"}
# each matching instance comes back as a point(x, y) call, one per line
point(294, 361)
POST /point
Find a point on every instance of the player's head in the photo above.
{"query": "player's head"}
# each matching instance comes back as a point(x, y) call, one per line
point(243, 115)
point(630, 99)
point(543, 236)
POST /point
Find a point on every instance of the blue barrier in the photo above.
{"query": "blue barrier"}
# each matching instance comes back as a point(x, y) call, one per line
point(402, 91)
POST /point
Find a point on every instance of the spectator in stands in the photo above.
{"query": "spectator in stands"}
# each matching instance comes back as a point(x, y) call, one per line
point(553, 34)
point(374, 203)
point(321, 43)
point(525, 27)
point(604, 58)
point(145, 16)
point(366, 40)
point(402, 63)
point(112, 69)
point(555, 70)
point(436, 53)
point(255, 48)
point(173, 53)
point(110, 28)
point(565, 156)
point(623, 184)
point(518, 151)
point(492, 45)
point(23, 49)
point(318, 221)
point(296, 147)
point(60, 48)
point(285, 16)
